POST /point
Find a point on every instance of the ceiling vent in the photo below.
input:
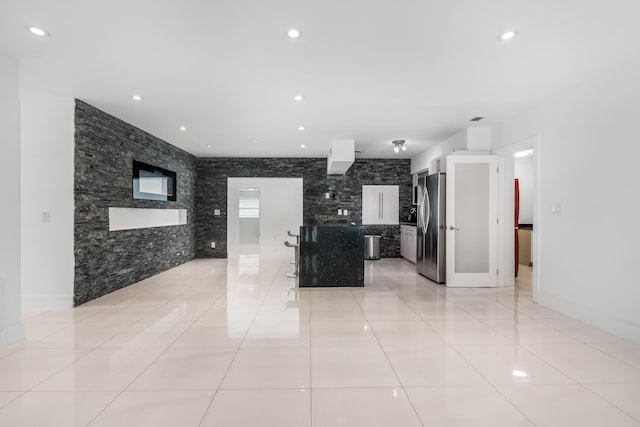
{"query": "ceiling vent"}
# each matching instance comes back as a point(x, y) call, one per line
point(477, 119)
point(341, 156)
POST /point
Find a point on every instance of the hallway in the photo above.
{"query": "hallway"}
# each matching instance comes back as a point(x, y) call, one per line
point(232, 342)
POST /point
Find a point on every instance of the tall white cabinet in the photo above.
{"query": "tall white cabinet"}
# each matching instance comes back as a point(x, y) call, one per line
point(380, 204)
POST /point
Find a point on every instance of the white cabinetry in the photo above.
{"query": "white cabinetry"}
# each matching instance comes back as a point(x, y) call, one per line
point(380, 204)
point(408, 242)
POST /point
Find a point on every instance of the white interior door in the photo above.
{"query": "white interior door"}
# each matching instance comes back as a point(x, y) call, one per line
point(472, 216)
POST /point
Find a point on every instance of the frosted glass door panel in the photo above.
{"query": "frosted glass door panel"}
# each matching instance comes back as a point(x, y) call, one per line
point(472, 232)
point(472, 218)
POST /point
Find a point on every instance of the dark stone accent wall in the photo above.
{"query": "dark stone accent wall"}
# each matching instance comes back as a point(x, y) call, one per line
point(211, 194)
point(105, 261)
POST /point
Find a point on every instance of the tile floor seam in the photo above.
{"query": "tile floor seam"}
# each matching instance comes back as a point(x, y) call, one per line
point(610, 402)
point(513, 405)
point(402, 387)
point(611, 355)
point(20, 394)
point(105, 408)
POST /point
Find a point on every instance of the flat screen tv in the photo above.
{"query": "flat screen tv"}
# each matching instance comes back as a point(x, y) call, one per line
point(153, 183)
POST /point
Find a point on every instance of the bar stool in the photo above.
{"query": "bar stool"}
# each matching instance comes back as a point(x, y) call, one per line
point(297, 236)
point(297, 254)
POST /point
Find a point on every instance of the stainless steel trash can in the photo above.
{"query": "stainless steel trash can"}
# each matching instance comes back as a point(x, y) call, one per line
point(371, 246)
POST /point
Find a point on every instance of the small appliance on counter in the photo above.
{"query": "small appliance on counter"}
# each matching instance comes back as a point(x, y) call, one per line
point(413, 216)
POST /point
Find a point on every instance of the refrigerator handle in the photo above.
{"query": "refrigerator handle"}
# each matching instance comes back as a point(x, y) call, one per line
point(424, 208)
point(428, 205)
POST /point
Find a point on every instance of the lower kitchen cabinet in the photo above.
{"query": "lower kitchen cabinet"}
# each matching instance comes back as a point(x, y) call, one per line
point(408, 243)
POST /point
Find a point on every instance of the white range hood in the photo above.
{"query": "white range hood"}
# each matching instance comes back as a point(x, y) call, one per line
point(341, 156)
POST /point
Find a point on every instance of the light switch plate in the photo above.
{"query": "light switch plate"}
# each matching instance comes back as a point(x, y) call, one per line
point(345, 212)
point(216, 212)
point(46, 216)
point(556, 209)
point(339, 211)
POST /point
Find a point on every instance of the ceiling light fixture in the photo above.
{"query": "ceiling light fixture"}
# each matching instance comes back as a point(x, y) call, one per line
point(38, 31)
point(398, 145)
point(300, 128)
point(298, 98)
point(507, 35)
point(302, 145)
point(209, 146)
point(293, 33)
point(183, 128)
point(136, 97)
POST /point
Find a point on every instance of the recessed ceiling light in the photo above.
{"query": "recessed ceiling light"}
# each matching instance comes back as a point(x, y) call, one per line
point(254, 141)
point(298, 98)
point(38, 31)
point(507, 35)
point(302, 145)
point(183, 128)
point(300, 128)
point(209, 146)
point(136, 97)
point(293, 33)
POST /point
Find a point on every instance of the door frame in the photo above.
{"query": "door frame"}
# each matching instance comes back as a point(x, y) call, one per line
point(506, 206)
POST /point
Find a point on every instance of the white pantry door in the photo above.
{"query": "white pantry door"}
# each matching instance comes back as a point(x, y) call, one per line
point(472, 216)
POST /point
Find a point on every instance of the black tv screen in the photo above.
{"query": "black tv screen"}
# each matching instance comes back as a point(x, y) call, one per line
point(153, 183)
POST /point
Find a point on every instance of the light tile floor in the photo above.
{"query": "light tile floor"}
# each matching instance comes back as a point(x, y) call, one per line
point(232, 342)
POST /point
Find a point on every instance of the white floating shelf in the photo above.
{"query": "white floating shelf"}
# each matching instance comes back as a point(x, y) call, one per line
point(132, 218)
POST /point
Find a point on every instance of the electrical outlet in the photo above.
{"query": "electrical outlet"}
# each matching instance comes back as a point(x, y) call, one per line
point(339, 211)
point(345, 212)
point(216, 212)
point(213, 245)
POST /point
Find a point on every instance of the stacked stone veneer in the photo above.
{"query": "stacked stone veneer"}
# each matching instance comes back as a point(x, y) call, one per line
point(105, 148)
point(211, 194)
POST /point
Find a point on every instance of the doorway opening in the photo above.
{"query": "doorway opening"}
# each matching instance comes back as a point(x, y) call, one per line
point(260, 211)
point(249, 216)
point(520, 161)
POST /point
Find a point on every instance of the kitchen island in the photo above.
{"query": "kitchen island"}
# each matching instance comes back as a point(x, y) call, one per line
point(331, 256)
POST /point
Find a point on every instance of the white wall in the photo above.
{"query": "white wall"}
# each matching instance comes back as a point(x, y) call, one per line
point(47, 187)
point(11, 329)
point(523, 171)
point(588, 165)
point(422, 161)
point(471, 138)
point(280, 210)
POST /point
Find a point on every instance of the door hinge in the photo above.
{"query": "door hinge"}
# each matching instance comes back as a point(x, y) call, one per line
point(497, 220)
point(498, 169)
point(496, 271)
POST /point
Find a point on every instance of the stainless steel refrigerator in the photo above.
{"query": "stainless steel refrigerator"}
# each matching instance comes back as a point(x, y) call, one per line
point(431, 227)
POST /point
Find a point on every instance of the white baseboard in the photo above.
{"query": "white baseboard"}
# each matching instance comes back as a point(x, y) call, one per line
point(47, 301)
point(612, 325)
point(11, 335)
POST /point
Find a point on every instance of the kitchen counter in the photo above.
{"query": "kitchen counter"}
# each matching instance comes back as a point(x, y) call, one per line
point(331, 256)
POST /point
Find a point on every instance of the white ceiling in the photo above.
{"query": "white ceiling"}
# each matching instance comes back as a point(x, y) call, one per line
point(370, 70)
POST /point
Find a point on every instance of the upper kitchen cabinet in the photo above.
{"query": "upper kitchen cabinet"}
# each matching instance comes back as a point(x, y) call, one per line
point(380, 204)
